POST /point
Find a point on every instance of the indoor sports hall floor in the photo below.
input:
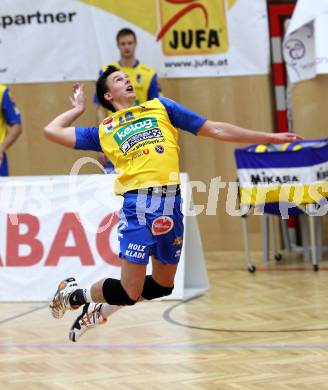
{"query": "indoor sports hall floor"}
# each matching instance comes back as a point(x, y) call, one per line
point(267, 330)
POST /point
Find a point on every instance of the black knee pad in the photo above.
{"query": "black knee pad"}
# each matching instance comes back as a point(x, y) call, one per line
point(152, 289)
point(115, 294)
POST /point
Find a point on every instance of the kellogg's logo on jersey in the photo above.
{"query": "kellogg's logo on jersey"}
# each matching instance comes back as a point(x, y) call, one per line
point(193, 27)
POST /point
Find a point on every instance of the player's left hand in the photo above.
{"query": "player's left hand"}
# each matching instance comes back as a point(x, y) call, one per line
point(281, 138)
point(78, 99)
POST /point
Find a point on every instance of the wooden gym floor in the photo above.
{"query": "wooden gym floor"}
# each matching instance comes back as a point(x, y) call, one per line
point(267, 330)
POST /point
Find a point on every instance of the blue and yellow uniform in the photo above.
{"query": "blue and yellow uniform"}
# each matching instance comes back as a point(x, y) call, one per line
point(142, 143)
point(145, 84)
point(9, 116)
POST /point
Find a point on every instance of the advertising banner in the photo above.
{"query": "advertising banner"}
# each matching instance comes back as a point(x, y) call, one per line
point(305, 47)
point(60, 40)
point(55, 227)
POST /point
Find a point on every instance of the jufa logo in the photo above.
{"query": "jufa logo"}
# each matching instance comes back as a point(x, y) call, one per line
point(134, 128)
point(193, 27)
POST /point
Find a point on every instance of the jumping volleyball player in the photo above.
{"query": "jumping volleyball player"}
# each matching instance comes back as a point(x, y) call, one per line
point(142, 142)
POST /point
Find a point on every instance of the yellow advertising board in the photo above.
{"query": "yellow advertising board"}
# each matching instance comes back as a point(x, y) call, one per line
point(193, 27)
point(178, 38)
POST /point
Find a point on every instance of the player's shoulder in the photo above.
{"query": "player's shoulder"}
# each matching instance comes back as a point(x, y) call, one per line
point(146, 68)
point(3, 87)
point(152, 104)
point(166, 102)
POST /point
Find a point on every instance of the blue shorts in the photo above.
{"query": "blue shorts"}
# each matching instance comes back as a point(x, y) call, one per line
point(4, 171)
point(151, 225)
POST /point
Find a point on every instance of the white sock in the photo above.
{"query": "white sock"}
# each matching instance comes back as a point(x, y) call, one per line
point(107, 309)
point(87, 295)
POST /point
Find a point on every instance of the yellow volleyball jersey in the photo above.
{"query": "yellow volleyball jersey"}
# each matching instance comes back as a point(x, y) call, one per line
point(3, 123)
point(9, 115)
point(142, 144)
point(140, 76)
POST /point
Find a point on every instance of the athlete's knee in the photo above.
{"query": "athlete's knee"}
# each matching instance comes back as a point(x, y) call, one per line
point(115, 294)
point(152, 289)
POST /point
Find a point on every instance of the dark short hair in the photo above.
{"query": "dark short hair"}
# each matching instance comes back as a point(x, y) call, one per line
point(124, 32)
point(102, 88)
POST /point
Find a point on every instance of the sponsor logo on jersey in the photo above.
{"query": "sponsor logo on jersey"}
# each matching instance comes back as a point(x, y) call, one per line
point(108, 120)
point(178, 253)
point(162, 225)
point(144, 108)
point(140, 153)
point(134, 128)
point(136, 250)
point(159, 149)
point(142, 132)
point(178, 241)
point(108, 125)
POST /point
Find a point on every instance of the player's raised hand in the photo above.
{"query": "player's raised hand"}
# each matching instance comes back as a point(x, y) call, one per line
point(281, 138)
point(78, 99)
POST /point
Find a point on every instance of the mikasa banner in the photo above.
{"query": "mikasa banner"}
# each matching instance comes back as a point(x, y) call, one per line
point(60, 40)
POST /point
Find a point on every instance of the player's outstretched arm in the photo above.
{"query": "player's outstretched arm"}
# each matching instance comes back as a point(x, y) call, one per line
point(60, 130)
point(231, 133)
